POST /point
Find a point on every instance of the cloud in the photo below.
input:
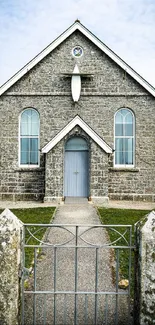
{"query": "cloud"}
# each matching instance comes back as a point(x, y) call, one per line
point(127, 27)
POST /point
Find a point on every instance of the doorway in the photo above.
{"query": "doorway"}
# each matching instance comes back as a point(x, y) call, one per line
point(76, 167)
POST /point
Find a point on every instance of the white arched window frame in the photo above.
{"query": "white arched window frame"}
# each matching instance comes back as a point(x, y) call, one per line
point(124, 142)
point(29, 130)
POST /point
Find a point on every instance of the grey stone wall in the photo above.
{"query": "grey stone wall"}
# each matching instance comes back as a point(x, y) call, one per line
point(98, 174)
point(48, 90)
point(54, 173)
point(10, 260)
point(145, 271)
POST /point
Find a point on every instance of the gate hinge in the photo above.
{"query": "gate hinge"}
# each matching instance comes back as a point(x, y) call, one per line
point(23, 271)
point(20, 273)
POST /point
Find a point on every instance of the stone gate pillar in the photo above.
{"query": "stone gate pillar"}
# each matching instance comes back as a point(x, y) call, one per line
point(10, 260)
point(145, 270)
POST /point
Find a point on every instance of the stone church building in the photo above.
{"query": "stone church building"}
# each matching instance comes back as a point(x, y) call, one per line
point(77, 121)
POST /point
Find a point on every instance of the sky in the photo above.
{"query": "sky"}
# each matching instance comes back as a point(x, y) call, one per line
point(126, 26)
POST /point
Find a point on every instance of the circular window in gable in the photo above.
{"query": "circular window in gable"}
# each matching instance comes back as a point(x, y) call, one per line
point(77, 51)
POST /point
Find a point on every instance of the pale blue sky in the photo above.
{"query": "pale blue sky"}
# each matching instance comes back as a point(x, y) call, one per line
point(126, 26)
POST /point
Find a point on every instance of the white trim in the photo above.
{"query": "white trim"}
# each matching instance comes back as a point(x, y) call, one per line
point(92, 38)
point(134, 134)
point(28, 166)
point(76, 84)
point(77, 121)
point(124, 166)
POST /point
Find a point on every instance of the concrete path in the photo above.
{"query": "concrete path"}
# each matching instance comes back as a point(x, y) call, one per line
point(65, 275)
point(141, 205)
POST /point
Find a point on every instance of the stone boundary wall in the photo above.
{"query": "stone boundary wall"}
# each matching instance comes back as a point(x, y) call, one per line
point(10, 262)
point(145, 270)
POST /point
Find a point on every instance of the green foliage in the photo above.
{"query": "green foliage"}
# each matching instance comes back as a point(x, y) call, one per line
point(122, 217)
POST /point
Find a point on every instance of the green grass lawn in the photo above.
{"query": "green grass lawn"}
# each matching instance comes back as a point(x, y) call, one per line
point(122, 217)
point(37, 216)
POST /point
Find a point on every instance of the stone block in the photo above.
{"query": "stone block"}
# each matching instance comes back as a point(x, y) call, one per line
point(145, 272)
point(10, 262)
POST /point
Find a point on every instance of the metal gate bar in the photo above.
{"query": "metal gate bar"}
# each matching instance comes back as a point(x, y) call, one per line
point(77, 242)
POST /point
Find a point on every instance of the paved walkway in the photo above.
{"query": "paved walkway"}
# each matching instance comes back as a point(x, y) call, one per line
point(111, 204)
point(65, 275)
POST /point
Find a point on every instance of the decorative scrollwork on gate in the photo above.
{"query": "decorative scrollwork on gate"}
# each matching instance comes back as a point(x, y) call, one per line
point(76, 235)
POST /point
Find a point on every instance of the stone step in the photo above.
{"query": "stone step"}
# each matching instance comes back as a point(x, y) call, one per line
point(76, 200)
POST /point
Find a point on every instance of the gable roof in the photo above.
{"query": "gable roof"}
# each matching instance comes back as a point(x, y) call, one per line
point(78, 26)
point(77, 121)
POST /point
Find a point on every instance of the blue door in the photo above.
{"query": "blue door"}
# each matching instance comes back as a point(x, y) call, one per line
point(76, 168)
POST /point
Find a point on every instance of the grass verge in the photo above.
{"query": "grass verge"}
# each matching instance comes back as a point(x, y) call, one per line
point(33, 215)
point(122, 217)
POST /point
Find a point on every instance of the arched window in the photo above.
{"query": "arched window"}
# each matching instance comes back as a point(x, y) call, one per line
point(29, 137)
point(124, 137)
point(76, 144)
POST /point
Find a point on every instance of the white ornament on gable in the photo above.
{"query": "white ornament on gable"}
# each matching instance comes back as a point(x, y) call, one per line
point(76, 84)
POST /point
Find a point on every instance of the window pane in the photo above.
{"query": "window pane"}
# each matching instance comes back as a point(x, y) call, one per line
point(34, 116)
point(129, 118)
point(129, 158)
point(24, 158)
point(34, 144)
point(119, 117)
point(119, 158)
point(29, 113)
point(24, 129)
point(128, 129)
point(34, 157)
point(129, 144)
point(119, 129)
point(24, 144)
point(124, 112)
point(76, 143)
point(124, 151)
point(29, 128)
point(29, 122)
point(24, 116)
point(29, 151)
point(119, 144)
point(124, 137)
point(129, 151)
point(34, 129)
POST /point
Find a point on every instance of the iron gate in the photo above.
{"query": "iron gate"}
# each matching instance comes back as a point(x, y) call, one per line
point(74, 278)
